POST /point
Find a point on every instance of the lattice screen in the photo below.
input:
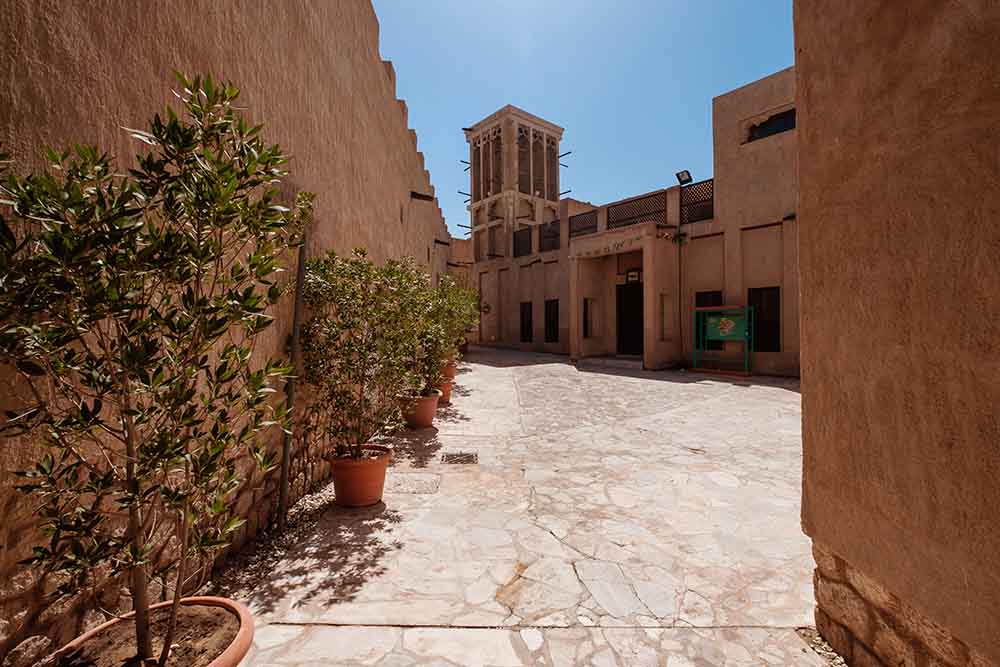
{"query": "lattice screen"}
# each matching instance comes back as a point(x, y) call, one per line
point(523, 161)
point(698, 201)
point(583, 223)
point(643, 209)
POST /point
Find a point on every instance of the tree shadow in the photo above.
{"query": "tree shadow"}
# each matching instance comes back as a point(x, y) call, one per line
point(416, 448)
point(327, 554)
point(450, 414)
point(459, 390)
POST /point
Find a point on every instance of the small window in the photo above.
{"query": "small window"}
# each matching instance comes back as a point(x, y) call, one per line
point(704, 300)
point(526, 325)
point(776, 124)
point(479, 255)
point(552, 320)
point(766, 302)
point(522, 242)
point(548, 236)
point(494, 248)
point(588, 318)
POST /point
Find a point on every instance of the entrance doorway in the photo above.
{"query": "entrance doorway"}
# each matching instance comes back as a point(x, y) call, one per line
point(629, 307)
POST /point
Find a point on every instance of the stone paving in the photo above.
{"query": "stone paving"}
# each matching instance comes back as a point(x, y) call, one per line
point(614, 517)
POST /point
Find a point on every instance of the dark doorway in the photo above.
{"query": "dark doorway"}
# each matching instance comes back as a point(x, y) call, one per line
point(630, 318)
point(766, 302)
point(526, 325)
point(552, 320)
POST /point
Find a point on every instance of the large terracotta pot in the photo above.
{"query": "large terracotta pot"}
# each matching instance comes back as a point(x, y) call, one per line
point(360, 482)
point(445, 388)
point(450, 370)
point(231, 657)
point(419, 411)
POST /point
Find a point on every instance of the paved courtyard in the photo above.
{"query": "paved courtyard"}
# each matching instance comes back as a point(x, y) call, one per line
point(613, 517)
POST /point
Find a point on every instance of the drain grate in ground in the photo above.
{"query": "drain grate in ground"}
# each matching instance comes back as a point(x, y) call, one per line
point(460, 457)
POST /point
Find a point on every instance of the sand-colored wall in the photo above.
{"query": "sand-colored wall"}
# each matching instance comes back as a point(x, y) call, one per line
point(77, 71)
point(899, 157)
point(756, 185)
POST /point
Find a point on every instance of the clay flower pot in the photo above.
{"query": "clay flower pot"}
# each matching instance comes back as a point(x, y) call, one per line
point(445, 389)
point(359, 482)
point(230, 657)
point(450, 370)
point(419, 411)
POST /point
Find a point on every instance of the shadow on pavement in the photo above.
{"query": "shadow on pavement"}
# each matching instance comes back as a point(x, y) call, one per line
point(417, 448)
point(327, 555)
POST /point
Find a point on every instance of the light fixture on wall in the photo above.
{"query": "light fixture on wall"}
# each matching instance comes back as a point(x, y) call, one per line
point(683, 177)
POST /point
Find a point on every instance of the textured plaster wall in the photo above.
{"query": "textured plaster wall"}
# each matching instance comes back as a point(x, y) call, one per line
point(77, 72)
point(756, 184)
point(506, 282)
point(899, 170)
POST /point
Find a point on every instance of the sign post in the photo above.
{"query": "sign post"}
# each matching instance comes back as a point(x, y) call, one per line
point(725, 324)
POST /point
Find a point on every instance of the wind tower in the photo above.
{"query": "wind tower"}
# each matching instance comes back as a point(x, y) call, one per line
point(514, 178)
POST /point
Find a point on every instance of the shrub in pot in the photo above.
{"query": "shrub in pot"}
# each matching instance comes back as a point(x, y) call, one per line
point(130, 304)
point(459, 312)
point(430, 357)
point(357, 348)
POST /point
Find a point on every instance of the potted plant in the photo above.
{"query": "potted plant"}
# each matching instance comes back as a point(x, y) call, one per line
point(420, 405)
point(130, 305)
point(459, 307)
point(357, 346)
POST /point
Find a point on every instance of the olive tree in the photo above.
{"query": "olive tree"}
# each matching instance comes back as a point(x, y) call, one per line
point(358, 344)
point(130, 304)
point(460, 308)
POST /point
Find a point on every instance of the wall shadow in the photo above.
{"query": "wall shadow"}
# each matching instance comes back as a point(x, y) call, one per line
point(508, 358)
point(498, 357)
point(688, 377)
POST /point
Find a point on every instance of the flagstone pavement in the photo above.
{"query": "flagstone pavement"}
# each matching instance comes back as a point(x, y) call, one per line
point(613, 517)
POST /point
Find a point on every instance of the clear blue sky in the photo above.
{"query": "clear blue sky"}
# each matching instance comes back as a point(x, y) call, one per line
point(630, 81)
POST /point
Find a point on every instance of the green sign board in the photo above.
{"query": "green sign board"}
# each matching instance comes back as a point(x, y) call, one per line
point(725, 326)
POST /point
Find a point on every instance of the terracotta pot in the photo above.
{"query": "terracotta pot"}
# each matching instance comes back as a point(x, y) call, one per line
point(445, 389)
point(418, 411)
point(231, 657)
point(450, 370)
point(360, 482)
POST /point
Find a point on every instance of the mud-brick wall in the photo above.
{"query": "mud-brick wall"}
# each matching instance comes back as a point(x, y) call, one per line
point(74, 71)
point(899, 249)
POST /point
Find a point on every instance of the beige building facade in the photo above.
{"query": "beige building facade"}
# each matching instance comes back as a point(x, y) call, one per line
point(625, 278)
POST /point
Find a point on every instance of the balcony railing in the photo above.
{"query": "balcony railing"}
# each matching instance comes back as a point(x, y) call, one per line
point(698, 201)
point(583, 223)
point(641, 209)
